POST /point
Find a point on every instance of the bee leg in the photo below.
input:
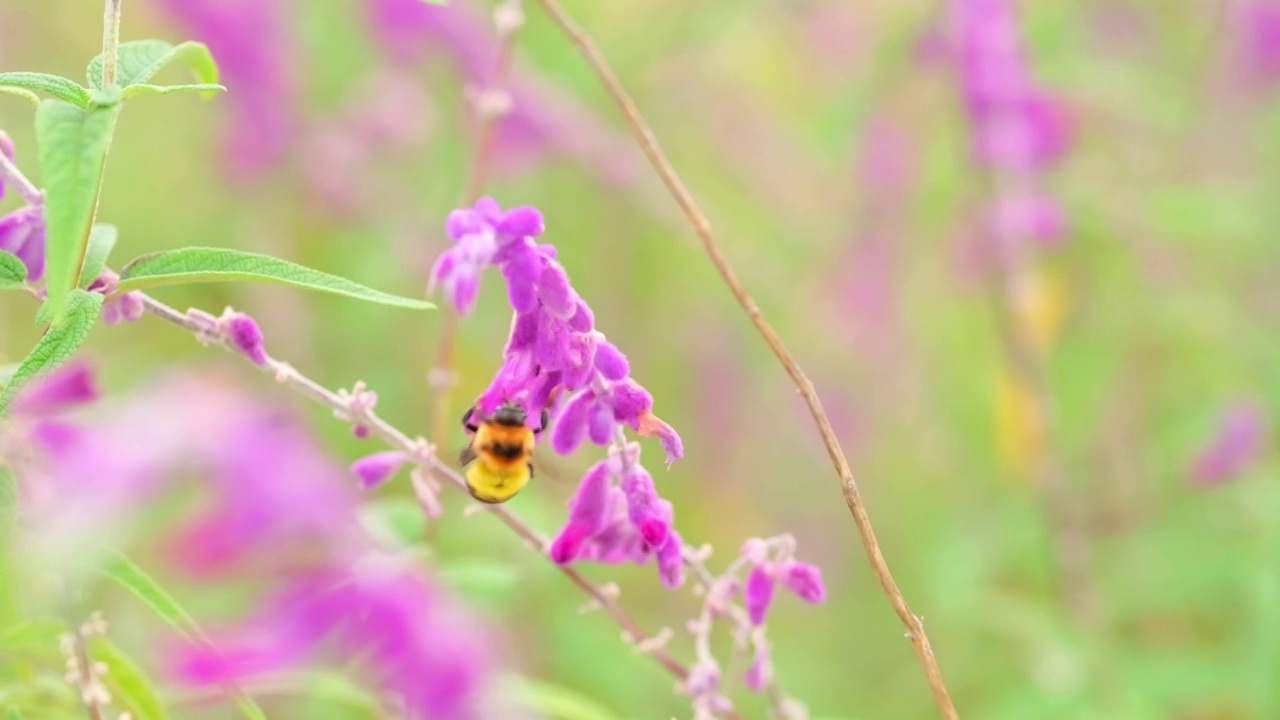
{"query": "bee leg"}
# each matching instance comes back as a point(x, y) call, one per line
point(546, 418)
point(466, 420)
point(530, 471)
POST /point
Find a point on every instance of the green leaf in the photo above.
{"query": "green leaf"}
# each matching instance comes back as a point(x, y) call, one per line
point(8, 526)
point(102, 239)
point(393, 522)
point(139, 60)
point(128, 682)
point(207, 90)
point(13, 272)
point(73, 145)
point(22, 83)
point(200, 264)
point(556, 701)
point(124, 572)
point(59, 343)
point(42, 633)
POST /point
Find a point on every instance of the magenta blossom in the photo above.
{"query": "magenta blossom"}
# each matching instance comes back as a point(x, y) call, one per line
point(417, 642)
point(483, 236)
point(22, 232)
point(1240, 439)
point(252, 43)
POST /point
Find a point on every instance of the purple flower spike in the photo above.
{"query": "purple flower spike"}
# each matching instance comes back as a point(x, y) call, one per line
point(600, 424)
point(583, 319)
point(630, 401)
point(805, 581)
point(588, 513)
point(558, 297)
point(644, 509)
point(523, 221)
point(610, 361)
point(521, 272)
point(552, 345)
point(758, 594)
point(670, 562)
point(375, 469)
point(60, 390)
point(570, 426)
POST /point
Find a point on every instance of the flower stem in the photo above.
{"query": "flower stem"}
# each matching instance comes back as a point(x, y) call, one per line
point(110, 41)
point(702, 228)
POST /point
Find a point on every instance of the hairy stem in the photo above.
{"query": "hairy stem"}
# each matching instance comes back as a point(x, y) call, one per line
point(424, 454)
point(110, 41)
point(702, 228)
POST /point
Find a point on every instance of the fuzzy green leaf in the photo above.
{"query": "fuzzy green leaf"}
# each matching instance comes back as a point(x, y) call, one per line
point(138, 61)
point(185, 266)
point(73, 145)
point(207, 90)
point(65, 335)
point(23, 83)
point(129, 684)
point(124, 572)
point(102, 239)
point(13, 272)
point(556, 702)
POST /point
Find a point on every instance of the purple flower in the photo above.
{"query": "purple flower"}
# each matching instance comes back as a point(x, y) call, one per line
point(804, 580)
point(644, 507)
point(375, 469)
point(758, 594)
point(421, 647)
point(760, 674)
point(1256, 26)
point(1238, 443)
point(483, 235)
point(22, 232)
point(588, 512)
point(66, 387)
point(244, 335)
point(671, 560)
point(255, 53)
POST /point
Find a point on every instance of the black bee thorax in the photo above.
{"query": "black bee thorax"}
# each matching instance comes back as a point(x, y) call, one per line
point(505, 451)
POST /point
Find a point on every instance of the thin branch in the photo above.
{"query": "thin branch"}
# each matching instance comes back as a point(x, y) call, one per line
point(702, 228)
point(423, 453)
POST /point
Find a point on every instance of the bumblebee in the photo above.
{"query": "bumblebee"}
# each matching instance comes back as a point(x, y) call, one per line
point(499, 458)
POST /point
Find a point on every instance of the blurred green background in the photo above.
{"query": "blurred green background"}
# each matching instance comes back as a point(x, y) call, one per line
point(831, 153)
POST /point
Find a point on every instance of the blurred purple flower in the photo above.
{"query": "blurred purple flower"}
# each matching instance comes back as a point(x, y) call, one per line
point(1240, 439)
point(421, 646)
point(22, 232)
point(375, 469)
point(484, 235)
point(758, 594)
point(251, 41)
point(280, 502)
point(1255, 27)
point(67, 387)
point(542, 118)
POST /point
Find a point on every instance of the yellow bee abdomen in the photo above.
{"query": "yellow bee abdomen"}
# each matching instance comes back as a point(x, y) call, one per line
point(496, 485)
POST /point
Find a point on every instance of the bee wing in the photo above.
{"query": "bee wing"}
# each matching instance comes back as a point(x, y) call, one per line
point(467, 455)
point(544, 468)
